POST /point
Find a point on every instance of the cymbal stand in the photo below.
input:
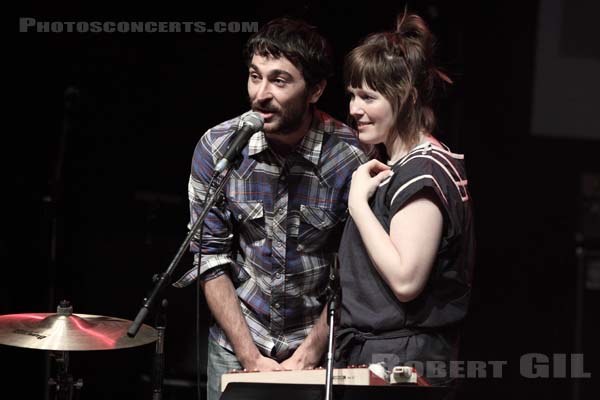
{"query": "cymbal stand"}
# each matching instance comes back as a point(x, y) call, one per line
point(64, 383)
point(158, 365)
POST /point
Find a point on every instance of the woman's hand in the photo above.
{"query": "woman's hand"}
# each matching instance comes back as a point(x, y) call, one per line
point(365, 181)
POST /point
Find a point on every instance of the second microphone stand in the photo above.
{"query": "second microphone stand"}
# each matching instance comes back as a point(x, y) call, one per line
point(332, 305)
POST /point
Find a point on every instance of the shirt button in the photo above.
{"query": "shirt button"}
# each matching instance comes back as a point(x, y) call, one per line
point(280, 211)
point(276, 305)
point(277, 275)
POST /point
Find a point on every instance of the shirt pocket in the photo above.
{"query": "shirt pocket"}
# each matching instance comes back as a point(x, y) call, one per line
point(317, 227)
point(249, 220)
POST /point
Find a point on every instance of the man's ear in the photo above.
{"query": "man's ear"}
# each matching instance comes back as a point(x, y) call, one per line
point(316, 91)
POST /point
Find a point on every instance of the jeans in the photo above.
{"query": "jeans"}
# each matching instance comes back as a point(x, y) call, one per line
point(220, 361)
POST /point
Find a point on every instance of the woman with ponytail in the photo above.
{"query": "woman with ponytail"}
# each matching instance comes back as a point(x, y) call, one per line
point(407, 251)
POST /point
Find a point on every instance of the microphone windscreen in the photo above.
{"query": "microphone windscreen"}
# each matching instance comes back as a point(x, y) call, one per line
point(254, 119)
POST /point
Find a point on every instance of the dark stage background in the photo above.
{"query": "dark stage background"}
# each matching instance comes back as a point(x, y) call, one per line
point(114, 178)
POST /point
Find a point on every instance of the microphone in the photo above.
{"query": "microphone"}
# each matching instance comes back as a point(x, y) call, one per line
point(252, 122)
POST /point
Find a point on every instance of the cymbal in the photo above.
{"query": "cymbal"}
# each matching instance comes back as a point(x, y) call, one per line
point(70, 332)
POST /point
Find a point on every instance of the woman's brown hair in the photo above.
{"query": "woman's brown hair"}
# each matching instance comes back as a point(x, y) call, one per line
point(400, 66)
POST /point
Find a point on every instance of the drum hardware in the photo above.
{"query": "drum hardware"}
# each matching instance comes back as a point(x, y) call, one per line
point(64, 332)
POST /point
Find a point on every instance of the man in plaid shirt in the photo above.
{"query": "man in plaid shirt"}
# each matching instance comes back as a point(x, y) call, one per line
point(266, 248)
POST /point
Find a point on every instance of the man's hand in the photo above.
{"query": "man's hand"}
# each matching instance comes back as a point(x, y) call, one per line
point(262, 363)
point(308, 354)
point(302, 358)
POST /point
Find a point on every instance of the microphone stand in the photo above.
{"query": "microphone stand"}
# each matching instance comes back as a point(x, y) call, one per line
point(163, 280)
point(331, 310)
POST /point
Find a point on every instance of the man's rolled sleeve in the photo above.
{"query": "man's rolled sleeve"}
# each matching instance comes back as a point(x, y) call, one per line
point(216, 240)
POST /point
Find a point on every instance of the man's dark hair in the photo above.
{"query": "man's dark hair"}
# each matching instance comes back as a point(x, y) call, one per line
point(297, 41)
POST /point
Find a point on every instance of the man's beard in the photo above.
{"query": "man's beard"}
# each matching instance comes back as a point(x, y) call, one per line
point(284, 121)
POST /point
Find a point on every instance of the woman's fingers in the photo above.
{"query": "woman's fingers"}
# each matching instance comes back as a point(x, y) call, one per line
point(376, 166)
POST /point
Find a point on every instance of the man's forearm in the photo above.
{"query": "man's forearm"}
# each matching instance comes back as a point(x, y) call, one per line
point(311, 350)
point(317, 338)
point(225, 307)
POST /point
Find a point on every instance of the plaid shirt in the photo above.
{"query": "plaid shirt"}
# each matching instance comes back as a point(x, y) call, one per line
point(276, 227)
